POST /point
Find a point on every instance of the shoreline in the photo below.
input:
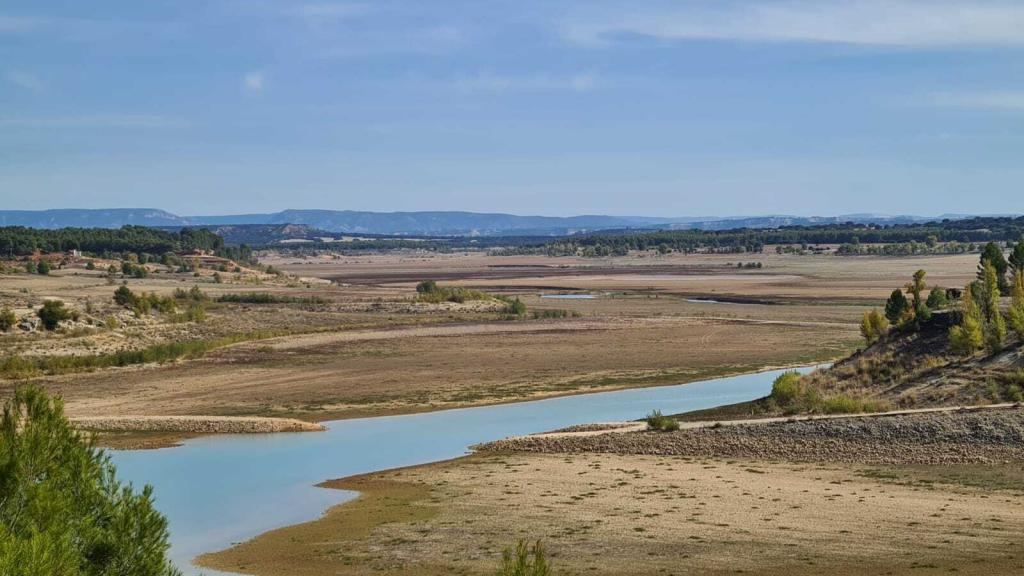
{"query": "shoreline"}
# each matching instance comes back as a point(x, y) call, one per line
point(149, 438)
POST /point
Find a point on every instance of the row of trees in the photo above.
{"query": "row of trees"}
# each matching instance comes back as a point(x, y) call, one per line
point(140, 243)
point(923, 236)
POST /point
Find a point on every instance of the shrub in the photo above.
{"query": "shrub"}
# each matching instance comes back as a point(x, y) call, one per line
point(64, 511)
point(53, 313)
point(7, 319)
point(657, 421)
point(430, 291)
point(786, 388)
point(525, 560)
point(515, 307)
point(43, 267)
point(938, 299)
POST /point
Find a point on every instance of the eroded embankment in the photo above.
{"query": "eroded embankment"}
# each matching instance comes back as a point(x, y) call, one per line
point(978, 436)
point(194, 424)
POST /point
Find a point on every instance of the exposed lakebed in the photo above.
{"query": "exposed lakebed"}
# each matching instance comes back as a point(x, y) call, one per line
point(220, 490)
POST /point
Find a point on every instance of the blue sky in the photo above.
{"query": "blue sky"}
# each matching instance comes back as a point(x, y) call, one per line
point(720, 107)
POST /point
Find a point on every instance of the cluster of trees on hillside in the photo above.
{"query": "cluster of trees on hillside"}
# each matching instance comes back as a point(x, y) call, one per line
point(981, 323)
point(146, 243)
point(963, 232)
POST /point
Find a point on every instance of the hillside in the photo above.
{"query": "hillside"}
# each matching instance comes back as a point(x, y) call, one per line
point(904, 370)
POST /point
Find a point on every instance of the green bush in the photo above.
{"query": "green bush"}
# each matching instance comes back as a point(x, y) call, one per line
point(53, 313)
point(63, 510)
point(657, 421)
point(787, 388)
point(7, 319)
point(525, 560)
point(43, 267)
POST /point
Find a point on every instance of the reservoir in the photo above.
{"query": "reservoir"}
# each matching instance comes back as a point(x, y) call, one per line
point(220, 490)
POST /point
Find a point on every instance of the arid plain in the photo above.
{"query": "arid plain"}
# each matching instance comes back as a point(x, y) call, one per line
point(368, 347)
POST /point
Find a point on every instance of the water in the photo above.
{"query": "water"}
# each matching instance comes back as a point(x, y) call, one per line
point(220, 490)
point(569, 296)
point(705, 301)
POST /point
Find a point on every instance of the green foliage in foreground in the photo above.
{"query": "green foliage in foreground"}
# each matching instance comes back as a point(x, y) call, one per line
point(657, 421)
point(791, 394)
point(25, 367)
point(62, 510)
point(525, 560)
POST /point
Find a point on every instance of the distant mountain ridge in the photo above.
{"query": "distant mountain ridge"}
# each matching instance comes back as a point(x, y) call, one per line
point(442, 223)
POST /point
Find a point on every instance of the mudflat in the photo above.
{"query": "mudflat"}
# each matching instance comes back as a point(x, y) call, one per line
point(617, 514)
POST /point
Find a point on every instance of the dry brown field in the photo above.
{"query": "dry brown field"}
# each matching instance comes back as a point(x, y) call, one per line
point(370, 348)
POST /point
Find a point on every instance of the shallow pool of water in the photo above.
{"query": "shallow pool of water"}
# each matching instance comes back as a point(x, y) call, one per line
point(220, 490)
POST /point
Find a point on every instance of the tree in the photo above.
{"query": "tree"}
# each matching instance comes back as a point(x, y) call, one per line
point(53, 313)
point(7, 319)
point(1017, 257)
point(520, 563)
point(43, 267)
point(916, 287)
point(993, 254)
point(1016, 314)
point(64, 512)
point(896, 307)
point(938, 299)
point(968, 337)
point(124, 296)
point(30, 267)
point(873, 325)
point(995, 326)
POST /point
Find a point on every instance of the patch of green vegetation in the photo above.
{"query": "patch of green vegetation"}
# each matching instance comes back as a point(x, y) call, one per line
point(27, 367)
point(661, 423)
point(792, 395)
point(430, 291)
point(268, 298)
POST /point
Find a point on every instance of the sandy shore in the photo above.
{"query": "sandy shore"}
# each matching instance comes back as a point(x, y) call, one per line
point(636, 515)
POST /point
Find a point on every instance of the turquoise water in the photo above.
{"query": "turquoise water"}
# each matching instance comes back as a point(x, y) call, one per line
point(220, 490)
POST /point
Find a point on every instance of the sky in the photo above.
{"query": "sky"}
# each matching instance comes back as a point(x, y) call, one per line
point(661, 108)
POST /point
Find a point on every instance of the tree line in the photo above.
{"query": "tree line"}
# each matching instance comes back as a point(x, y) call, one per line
point(973, 230)
point(144, 242)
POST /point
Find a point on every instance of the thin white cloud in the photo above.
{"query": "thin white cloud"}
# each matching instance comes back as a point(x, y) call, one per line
point(100, 121)
point(1007, 100)
point(488, 82)
point(329, 11)
point(24, 80)
point(910, 23)
point(253, 82)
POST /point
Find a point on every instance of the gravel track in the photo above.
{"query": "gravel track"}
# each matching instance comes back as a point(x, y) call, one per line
point(977, 436)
